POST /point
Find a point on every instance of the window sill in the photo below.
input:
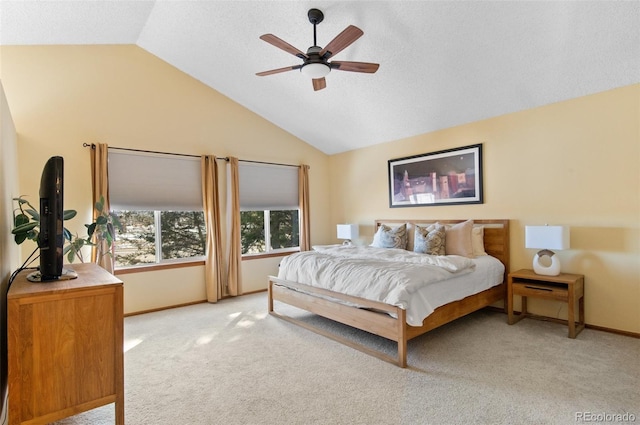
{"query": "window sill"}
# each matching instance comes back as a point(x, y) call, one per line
point(155, 267)
point(166, 266)
point(268, 255)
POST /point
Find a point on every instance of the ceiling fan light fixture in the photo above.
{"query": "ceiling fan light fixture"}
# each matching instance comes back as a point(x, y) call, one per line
point(315, 70)
point(315, 63)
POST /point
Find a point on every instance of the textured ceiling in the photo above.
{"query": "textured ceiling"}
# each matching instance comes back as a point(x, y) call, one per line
point(442, 63)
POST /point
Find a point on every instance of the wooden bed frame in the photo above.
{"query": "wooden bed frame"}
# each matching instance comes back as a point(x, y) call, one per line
point(384, 324)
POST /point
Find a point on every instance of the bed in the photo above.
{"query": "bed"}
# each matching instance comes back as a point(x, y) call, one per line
point(389, 320)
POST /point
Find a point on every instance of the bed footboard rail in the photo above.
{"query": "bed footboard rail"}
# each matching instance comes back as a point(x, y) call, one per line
point(349, 310)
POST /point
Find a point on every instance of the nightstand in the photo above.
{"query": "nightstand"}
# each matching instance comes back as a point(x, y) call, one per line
point(564, 287)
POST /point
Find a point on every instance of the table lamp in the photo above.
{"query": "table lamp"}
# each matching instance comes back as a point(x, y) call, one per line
point(347, 232)
point(546, 238)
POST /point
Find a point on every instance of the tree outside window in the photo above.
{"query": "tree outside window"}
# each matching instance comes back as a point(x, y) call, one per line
point(281, 228)
point(150, 237)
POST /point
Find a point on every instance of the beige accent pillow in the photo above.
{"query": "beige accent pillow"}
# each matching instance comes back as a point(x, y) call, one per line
point(477, 241)
point(429, 240)
point(458, 239)
point(387, 237)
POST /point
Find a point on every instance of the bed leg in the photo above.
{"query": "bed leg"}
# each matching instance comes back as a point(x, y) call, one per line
point(270, 296)
point(402, 337)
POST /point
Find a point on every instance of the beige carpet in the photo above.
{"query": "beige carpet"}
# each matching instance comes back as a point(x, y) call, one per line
point(231, 363)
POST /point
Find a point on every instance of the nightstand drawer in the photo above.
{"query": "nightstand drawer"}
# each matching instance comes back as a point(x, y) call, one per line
point(531, 289)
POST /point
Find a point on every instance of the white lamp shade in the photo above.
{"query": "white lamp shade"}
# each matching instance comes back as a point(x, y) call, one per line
point(347, 231)
point(547, 237)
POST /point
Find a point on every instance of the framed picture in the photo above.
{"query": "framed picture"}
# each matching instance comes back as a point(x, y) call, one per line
point(448, 177)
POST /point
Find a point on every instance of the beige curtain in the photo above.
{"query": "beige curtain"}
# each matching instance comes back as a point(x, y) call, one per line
point(234, 272)
point(99, 189)
point(303, 197)
point(214, 263)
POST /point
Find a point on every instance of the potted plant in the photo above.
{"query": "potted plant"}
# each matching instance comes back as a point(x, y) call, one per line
point(100, 233)
point(26, 220)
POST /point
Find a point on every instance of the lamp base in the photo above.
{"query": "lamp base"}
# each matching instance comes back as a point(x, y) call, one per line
point(552, 270)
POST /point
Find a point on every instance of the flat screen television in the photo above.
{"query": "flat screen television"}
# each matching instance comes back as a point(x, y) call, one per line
point(51, 236)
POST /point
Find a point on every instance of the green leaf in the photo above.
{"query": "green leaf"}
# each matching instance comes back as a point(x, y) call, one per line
point(69, 214)
point(71, 255)
point(111, 230)
point(19, 238)
point(91, 228)
point(67, 234)
point(33, 213)
point(100, 205)
point(21, 201)
point(24, 228)
point(101, 220)
point(20, 219)
point(116, 221)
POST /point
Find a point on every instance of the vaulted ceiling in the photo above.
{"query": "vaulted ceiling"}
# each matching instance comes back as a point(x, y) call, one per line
point(442, 63)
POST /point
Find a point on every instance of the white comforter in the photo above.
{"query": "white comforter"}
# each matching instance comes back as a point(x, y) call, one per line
point(387, 275)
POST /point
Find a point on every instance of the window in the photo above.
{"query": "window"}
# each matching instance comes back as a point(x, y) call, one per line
point(280, 228)
point(158, 199)
point(150, 237)
point(269, 217)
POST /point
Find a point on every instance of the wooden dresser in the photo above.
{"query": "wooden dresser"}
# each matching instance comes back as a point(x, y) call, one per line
point(65, 341)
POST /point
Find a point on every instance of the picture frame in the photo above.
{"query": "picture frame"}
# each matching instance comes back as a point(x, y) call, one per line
point(447, 177)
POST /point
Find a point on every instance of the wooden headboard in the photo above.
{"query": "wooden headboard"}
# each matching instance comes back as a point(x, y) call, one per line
point(496, 235)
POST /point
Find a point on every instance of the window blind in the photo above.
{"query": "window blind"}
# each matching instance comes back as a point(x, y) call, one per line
point(267, 187)
point(154, 182)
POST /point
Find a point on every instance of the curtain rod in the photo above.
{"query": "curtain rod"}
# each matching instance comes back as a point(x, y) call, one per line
point(267, 163)
point(93, 146)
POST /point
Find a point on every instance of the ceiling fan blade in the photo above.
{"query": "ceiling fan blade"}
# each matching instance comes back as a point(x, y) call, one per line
point(279, 70)
point(319, 83)
point(281, 44)
point(366, 67)
point(342, 41)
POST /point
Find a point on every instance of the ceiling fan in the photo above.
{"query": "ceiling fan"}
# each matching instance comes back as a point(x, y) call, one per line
point(315, 63)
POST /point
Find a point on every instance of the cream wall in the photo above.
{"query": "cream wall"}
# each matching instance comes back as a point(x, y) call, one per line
point(64, 96)
point(575, 163)
point(8, 250)
point(8, 190)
